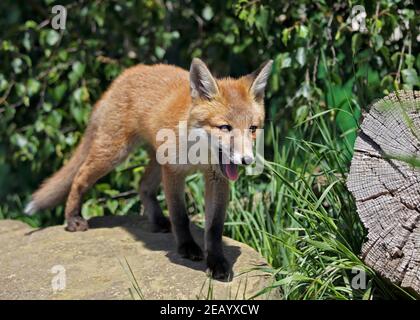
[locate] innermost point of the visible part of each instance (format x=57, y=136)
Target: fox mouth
x=230, y=169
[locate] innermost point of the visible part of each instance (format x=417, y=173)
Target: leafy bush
x=324, y=75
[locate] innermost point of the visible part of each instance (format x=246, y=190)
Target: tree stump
x=385, y=181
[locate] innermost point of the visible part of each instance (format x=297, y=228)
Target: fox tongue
x=231, y=171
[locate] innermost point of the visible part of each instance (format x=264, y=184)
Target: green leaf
x=78, y=69
x=81, y=94
x=261, y=20
x=52, y=37
x=409, y=60
x=26, y=41
x=47, y=107
x=207, y=13
x=303, y=31
x=3, y=83
x=356, y=42
x=301, y=113
x=59, y=91
x=33, y=86
x=17, y=65
x=284, y=60
x=159, y=52
x=301, y=56
x=410, y=77
x=378, y=41
x=30, y=24
x=285, y=36
x=112, y=205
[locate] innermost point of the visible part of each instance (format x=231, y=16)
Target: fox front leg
x=174, y=185
x=217, y=198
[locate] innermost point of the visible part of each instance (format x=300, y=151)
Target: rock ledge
x=106, y=262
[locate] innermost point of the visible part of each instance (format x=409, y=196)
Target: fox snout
x=241, y=159
x=246, y=160
x=241, y=148
x=238, y=160
x=233, y=151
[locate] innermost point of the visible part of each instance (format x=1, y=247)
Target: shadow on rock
x=139, y=227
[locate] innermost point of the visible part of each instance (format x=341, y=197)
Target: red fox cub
x=142, y=101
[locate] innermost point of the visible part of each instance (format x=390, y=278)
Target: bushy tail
x=55, y=189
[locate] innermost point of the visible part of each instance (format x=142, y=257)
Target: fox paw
x=162, y=224
x=218, y=267
x=190, y=250
x=77, y=224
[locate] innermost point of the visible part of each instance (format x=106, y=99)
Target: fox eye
x=253, y=128
x=225, y=127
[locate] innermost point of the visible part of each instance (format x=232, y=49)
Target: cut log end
x=385, y=181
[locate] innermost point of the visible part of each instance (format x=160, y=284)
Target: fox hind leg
x=101, y=159
x=149, y=186
x=87, y=175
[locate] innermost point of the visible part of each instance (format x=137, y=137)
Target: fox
x=142, y=100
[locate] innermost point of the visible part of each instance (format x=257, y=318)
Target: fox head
x=229, y=111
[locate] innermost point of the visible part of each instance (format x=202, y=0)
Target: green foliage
x=324, y=74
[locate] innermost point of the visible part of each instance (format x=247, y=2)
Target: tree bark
x=385, y=181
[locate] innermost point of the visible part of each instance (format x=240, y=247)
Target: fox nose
x=247, y=160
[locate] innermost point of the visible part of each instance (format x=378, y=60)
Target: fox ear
x=259, y=79
x=202, y=83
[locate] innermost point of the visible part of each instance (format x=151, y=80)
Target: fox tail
x=55, y=189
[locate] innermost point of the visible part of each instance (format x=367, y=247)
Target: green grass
x=135, y=291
